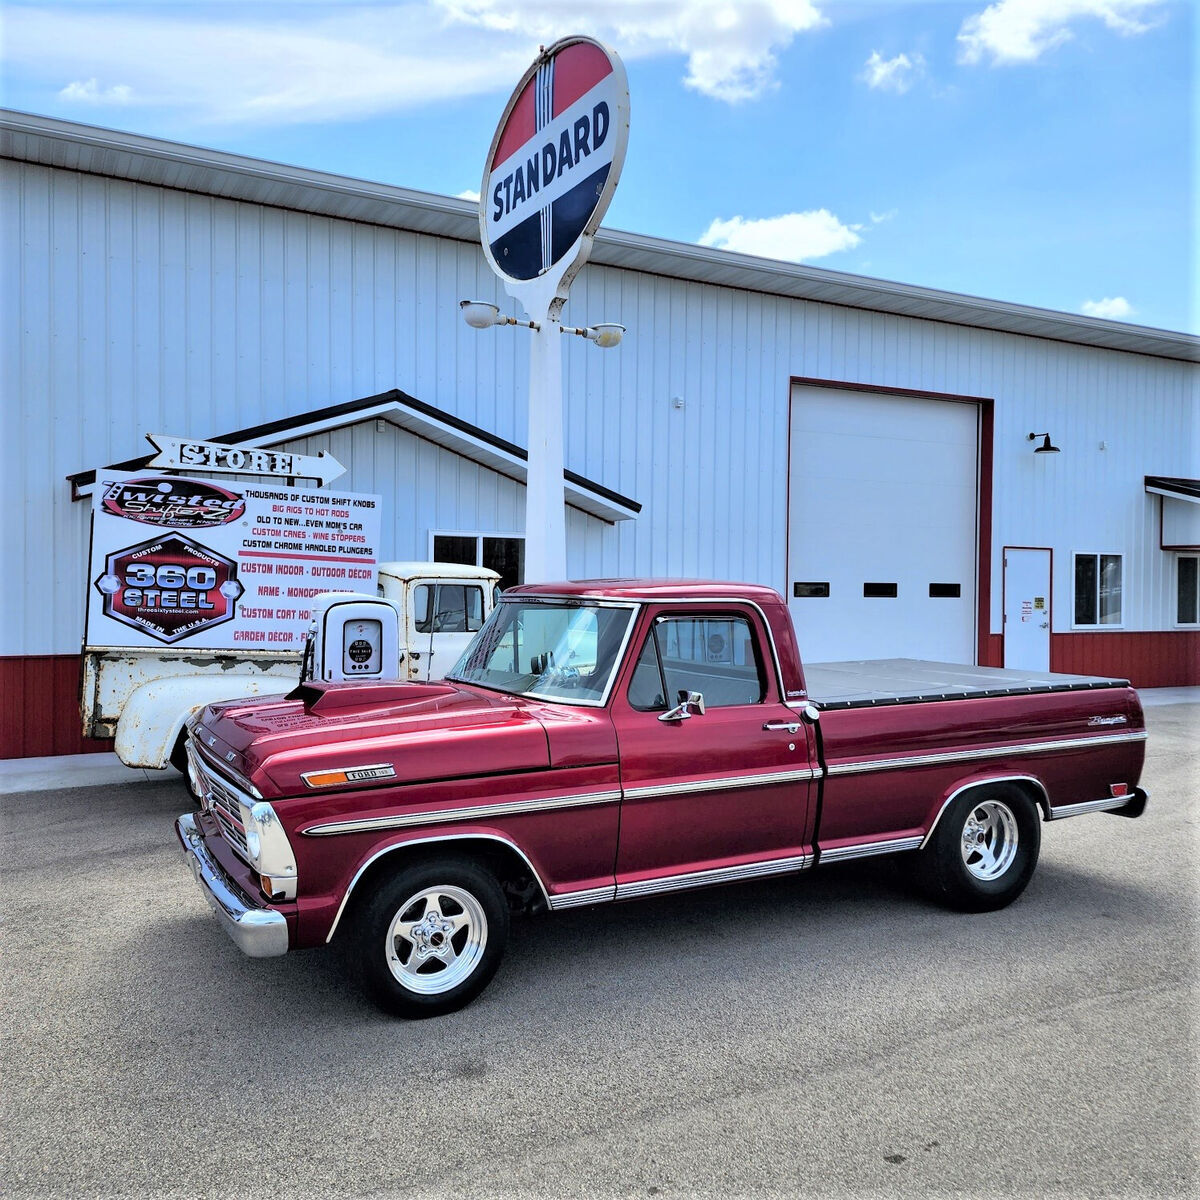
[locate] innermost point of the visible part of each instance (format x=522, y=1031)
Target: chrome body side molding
x=951, y=756
x=474, y=812
x=449, y=837
x=866, y=849
x=693, y=879
x=761, y=779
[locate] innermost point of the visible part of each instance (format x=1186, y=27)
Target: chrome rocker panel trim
x=256, y=931
x=693, y=879
x=1135, y=801
x=867, y=849
x=475, y=812
x=600, y=895
x=951, y=756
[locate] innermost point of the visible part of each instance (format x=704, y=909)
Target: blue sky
x=1040, y=151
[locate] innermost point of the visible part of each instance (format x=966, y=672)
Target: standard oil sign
x=555, y=159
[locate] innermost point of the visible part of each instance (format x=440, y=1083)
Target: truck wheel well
x=1028, y=786
x=517, y=878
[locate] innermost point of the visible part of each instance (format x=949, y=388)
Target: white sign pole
x=545, y=516
x=549, y=176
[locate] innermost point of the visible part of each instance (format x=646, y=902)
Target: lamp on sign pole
x=551, y=171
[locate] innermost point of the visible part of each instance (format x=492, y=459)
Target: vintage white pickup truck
x=142, y=698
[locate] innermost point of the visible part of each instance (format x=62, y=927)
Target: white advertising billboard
x=199, y=564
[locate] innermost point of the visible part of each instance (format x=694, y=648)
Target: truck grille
x=223, y=800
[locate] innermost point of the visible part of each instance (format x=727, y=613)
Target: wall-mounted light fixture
x=1045, y=447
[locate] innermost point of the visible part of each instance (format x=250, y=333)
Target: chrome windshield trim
x=1089, y=806
x=600, y=895
x=927, y=760
x=724, y=782
x=449, y=837
x=471, y=813
x=578, y=602
x=674, y=883
x=866, y=849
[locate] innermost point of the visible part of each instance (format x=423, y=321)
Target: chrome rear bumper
x=257, y=931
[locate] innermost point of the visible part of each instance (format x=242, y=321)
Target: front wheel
x=431, y=938
x=984, y=850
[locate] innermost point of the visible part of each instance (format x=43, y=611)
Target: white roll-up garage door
x=883, y=522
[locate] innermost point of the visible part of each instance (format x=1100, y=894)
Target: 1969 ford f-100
x=608, y=740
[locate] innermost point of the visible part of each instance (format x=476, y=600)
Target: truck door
x=446, y=616
x=724, y=790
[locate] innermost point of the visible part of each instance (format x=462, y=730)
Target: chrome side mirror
x=683, y=710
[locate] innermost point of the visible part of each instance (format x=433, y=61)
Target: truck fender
x=470, y=835
x=1035, y=787
x=153, y=716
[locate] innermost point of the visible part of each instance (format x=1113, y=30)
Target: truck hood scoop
x=323, y=698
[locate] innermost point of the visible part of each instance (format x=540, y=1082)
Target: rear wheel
x=431, y=937
x=984, y=850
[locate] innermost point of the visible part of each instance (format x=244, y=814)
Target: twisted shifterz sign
x=221, y=566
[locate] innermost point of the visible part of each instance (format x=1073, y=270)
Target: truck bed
x=885, y=681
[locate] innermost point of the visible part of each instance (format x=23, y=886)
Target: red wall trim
x=1166, y=658
x=40, y=710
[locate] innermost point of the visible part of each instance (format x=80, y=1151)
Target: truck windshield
x=551, y=650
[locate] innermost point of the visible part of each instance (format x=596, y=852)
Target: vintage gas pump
x=352, y=636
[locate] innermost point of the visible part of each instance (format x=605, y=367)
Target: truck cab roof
x=435, y=570
x=652, y=590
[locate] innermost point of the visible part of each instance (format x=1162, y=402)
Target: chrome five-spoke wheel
x=428, y=937
x=989, y=839
x=436, y=939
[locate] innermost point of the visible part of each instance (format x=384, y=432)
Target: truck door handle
x=788, y=725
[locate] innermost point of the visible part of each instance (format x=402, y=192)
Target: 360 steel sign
x=555, y=159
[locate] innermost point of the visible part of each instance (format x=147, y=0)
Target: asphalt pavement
x=827, y=1035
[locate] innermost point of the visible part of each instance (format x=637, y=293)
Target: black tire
x=178, y=757
x=461, y=937
x=983, y=851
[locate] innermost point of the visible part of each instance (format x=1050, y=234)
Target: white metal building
x=861, y=446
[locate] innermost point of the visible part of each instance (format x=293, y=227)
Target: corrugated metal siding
x=130, y=308
x=40, y=711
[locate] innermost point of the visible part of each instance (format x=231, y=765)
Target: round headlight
x=253, y=843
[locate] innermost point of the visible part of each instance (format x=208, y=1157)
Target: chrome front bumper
x=258, y=932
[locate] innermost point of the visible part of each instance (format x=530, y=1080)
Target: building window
x=1187, y=594
x=503, y=553
x=1097, y=589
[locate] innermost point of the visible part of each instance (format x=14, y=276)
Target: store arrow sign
x=181, y=454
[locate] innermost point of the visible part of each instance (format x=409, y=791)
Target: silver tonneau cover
x=911, y=681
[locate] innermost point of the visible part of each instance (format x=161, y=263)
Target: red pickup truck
x=607, y=740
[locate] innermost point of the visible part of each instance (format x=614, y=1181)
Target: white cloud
x=1014, y=31
x=892, y=74
x=89, y=91
x=213, y=62
x=730, y=47
x=1113, y=308
x=469, y=194
x=794, y=237
x=879, y=218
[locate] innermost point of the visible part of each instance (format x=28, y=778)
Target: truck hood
x=424, y=731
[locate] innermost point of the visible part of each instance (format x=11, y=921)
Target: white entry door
x=1027, y=609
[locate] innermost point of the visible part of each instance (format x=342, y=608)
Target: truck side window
x=717, y=656
x=447, y=608
x=422, y=607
